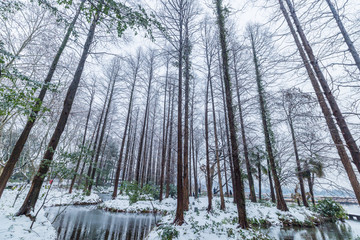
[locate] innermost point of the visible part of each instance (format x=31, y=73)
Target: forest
x=179, y=119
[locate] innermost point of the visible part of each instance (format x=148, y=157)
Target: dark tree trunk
x=222, y=200
x=97, y=155
x=242, y=126
x=239, y=184
x=117, y=173
x=298, y=164
x=165, y=135
x=259, y=173
x=142, y=137
x=131, y=165
x=168, y=169
x=187, y=51
x=33, y=194
x=208, y=171
x=20, y=143
x=82, y=143
x=280, y=203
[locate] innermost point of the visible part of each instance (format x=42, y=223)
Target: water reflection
x=330, y=231
x=80, y=222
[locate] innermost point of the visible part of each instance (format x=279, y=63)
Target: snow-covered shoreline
x=12, y=227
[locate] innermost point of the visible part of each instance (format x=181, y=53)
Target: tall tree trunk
x=20, y=143
x=165, y=135
x=259, y=173
x=324, y=108
x=222, y=200
x=82, y=143
x=33, y=194
x=350, y=142
x=298, y=164
x=280, y=203
x=138, y=165
x=95, y=168
x=228, y=142
x=239, y=184
x=179, y=215
x=131, y=165
x=242, y=126
x=126, y=158
x=187, y=51
x=168, y=169
x=208, y=171
x=345, y=34
x=117, y=174
x=94, y=152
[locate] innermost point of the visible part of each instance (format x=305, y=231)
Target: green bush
x=330, y=209
x=168, y=232
x=138, y=193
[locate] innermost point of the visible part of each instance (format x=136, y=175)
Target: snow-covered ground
x=216, y=225
x=12, y=227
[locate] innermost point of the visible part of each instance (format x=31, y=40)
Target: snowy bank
x=12, y=227
x=199, y=224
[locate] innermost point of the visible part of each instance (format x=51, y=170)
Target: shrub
x=137, y=193
x=168, y=232
x=330, y=209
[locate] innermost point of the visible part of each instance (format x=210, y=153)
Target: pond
x=331, y=231
x=88, y=222
x=340, y=231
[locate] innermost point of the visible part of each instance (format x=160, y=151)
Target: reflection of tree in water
x=85, y=223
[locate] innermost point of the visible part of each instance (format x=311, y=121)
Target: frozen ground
x=12, y=227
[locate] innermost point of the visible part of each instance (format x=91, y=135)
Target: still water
x=88, y=222
x=348, y=230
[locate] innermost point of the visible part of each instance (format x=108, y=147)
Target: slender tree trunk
x=168, y=170
x=239, y=184
x=222, y=200
x=298, y=164
x=350, y=142
x=242, y=126
x=94, y=152
x=165, y=135
x=95, y=169
x=131, y=165
x=280, y=203
x=187, y=51
x=137, y=171
x=33, y=194
x=208, y=171
x=118, y=168
x=126, y=158
x=228, y=142
x=20, y=143
x=325, y=109
x=345, y=34
x=259, y=173
x=82, y=144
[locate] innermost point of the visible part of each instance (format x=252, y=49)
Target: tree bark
x=280, y=203
x=239, y=184
x=222, y=200
x=118, y=168
x=242, y=126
